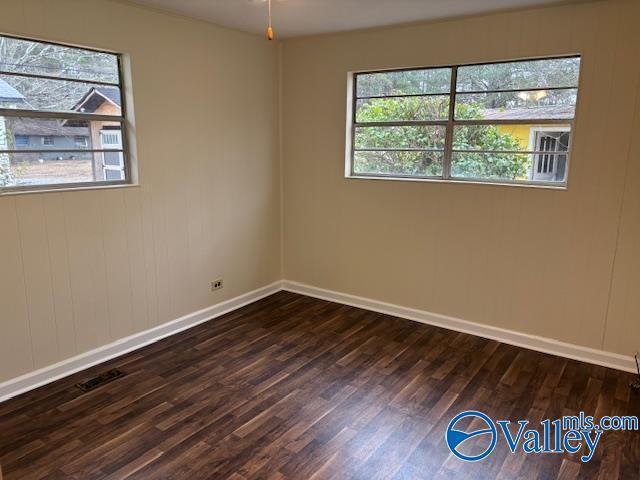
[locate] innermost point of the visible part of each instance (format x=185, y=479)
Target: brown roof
x=554, y=112
x=96, y=97
x=32, y=126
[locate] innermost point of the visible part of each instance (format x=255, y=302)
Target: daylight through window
x=507, y=122
x=61, y=117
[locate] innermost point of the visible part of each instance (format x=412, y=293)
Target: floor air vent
x=100, y=380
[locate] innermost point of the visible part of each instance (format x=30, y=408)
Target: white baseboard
x=48, y=374
x=532, y=342
x=51, y=373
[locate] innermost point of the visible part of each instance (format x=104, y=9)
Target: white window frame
x=533, y=135
x=81, y=141
x=450, y=123
x=125, y=119
x=112, y=168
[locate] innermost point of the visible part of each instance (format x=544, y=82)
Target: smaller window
x=22, y=140
x=57, y=100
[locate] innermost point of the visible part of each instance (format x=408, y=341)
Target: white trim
x=62, y=369
x=51, y=373
x=533, y=141
x=524, y=340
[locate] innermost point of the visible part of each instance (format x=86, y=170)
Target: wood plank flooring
x=292, y=387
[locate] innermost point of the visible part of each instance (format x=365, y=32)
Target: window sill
x=561, y=187
x=81, y=188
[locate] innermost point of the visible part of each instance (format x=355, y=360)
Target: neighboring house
x=36, y=136
x=105, y=135
x=39, y=134
x=550, y=166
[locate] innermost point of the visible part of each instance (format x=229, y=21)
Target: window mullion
x=448, y=144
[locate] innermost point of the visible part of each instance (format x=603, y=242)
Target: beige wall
x=81, y=269
x=560, y=264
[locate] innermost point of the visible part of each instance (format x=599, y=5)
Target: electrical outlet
x=217, y=284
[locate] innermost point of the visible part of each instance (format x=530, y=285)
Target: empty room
x=319, y=239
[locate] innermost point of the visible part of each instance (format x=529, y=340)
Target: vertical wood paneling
x=137, y=259
x=60, y=276
x=623, y=326
x=83, y=221
x=82, y=269
x=16, y=349
x=38, y=279
x=150, y=266
x=532, y=260
x=602, y=180
x=117, y=263
x=159, y=233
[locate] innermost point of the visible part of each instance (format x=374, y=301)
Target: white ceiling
x=293, y=18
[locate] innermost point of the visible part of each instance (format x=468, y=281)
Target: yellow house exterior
x=521, y=132
x=551, y=140
x=524, y=133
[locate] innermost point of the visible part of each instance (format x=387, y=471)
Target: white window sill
x=52, y=189
x=461, y=182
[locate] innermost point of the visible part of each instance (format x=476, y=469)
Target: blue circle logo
x=456, y=438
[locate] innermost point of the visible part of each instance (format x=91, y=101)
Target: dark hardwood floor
x=292, y=387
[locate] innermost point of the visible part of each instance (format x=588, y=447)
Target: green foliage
x=471, y=165
x=405, y=82
x=560, y=72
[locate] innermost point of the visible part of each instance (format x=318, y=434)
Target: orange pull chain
x=269, y=29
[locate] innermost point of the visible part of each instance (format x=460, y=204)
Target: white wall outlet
x=217, y=284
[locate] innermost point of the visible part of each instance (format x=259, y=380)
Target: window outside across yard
x=507, y=122
x=61, y=117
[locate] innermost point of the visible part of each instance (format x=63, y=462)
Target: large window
x=507, y=122
x=62, y=117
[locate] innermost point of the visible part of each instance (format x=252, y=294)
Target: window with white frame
x=508, y=122
x=62, y=98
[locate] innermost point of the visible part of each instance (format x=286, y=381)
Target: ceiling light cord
x=269, y=28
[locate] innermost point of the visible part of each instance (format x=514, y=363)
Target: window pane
x=510, y=167
x=58, y=96
x=412, y=137
x=423, y=164
x=55, y=168
x=25, y=56
x=45, y=168
x=409, y=82
x=112, y=159
x=530, y=105
x=111, y=175
x=517, y=138
x=530, y=74
x=20, y=133
x=502, y=166
x=402, y=109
